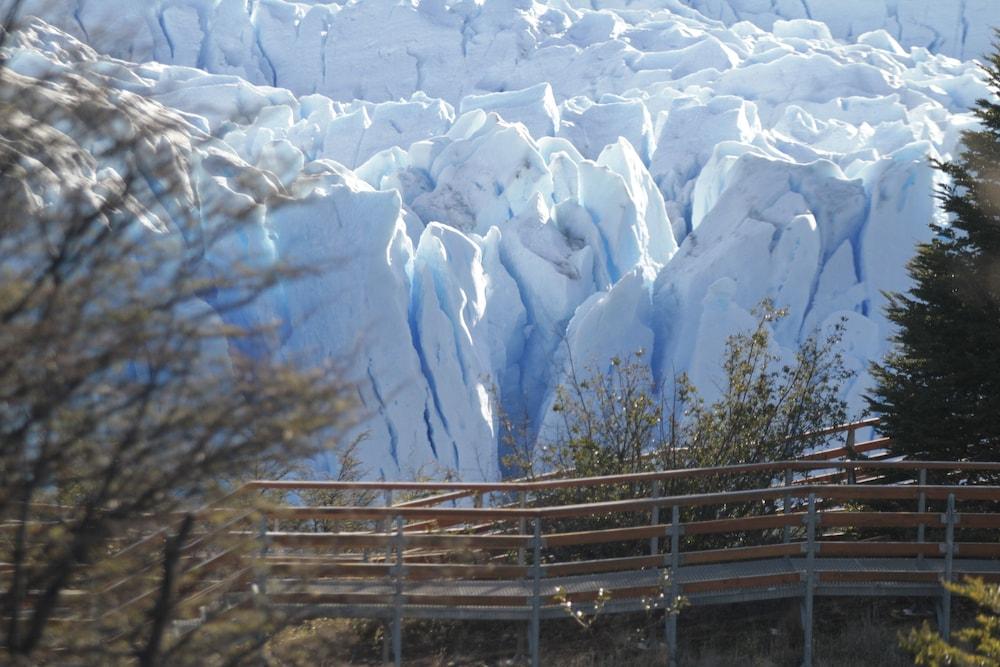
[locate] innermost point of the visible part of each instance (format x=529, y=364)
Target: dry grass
x=848, y=633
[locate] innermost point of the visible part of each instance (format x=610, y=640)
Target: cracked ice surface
x=505, y=183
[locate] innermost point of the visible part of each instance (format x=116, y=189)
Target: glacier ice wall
x=503, y=185
x=960, y=29
x=384, y=50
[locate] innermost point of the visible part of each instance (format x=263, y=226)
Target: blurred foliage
x=133, y=390
x=975, y=646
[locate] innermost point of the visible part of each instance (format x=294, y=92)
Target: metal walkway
x=646, y=579
x=450, y=550
x=794, y=549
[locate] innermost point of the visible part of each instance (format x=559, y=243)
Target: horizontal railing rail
x=796, y=465
x=828, y=492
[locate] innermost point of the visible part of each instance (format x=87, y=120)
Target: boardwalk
x=821, y=525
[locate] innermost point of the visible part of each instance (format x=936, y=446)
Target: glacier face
x=503, y=184
x=960, y=29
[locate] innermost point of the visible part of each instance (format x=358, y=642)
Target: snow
x=504, y=187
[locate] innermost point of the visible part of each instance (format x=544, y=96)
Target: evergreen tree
x=939, y=390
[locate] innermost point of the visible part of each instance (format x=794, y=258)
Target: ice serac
x=484, y=177
x=595, y=337
x=362, y=235
x=688, y=133
x=554, y=278
x=651, y=212
x=591, y=126
x=501, y=187
x=770, y=233
x=534, y=107
x=449, y=302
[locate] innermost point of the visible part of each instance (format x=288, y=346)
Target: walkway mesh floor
x=641, y=578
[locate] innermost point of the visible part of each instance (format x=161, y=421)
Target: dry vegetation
x=849, y=633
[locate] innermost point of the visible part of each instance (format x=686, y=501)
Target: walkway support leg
x=921, y=505
x=944, y=612
x=654, y=542
x=397, y=598
x=386, y=527
x=809, y=585
x=265, y=544
x=536, y=595
x=787, y=503
x=670, y=619
x=522, y=559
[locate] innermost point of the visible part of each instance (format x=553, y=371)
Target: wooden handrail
x=567, y=474
x=861, y=447
x=831, y=492
x=740, y=553
x=541, y=482
x=355, y=540
x=851, y=426
x=665, y=475
x=599, y=536
x=161, y=534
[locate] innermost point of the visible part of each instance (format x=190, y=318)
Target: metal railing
x=760, y=559
x=830, y=523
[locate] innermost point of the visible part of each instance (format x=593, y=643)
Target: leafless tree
x=132, y=391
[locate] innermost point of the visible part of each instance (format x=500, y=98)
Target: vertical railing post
x=788, y=504
x=810, y=584
x=260, y=600
x=522, y=526
x=944, y=613
x=654, y=542
x=262, y=565
x=921, y=507
x=852, y=455
x=386, y=527
x=397, y=597
x=522, y=530
x=536, y=594
x=670, y=616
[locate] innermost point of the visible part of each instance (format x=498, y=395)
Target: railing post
x=670, y=617
x=788, y=504
x=536, y=594
x=386, y=527
x=260, y=585
x=810, y=584
x=852, y=455
x=522, y=526
x=921, y=506
x=262, y=566
x=522, y=529
x=654, y=542
x=944, y=613
x=397, y=598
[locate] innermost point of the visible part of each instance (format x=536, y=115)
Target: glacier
x=502, y=186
